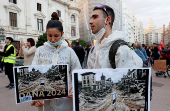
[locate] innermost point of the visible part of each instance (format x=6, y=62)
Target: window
x=72, y=18
x=59, y=13
x=38, y=7
x=73, y=31
x=84, y=81
x=13, y=19
x=13, y=1
x=40, y=24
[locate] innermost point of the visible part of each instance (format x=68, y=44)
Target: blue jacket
x=139, y=53
x=144, y=53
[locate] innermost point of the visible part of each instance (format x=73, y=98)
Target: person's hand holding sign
x=70, y=93
x=39, y=103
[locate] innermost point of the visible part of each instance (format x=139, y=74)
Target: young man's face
x=97, y=20
x=7, y=40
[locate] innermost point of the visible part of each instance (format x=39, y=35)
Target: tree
x=82, y=42
x=41, y=39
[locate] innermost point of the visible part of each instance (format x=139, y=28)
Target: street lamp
x=2, y=36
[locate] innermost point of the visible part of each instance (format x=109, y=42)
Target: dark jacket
x=155, y=53
x=148, y=53
x=80, y=52
x=87, y=49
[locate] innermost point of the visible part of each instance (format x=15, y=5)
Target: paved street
x=160, y=100
x=7, y=96
x=161, y=91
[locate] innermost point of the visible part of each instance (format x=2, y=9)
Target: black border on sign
x=16, y=85
x=146, y=90
x=76, y=91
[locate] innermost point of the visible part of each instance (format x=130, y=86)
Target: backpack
x=113, y=51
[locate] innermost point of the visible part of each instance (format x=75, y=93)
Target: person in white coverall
x=101, y=22
x=56, y=51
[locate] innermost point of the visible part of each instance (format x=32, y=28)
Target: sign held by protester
x=40, y=82
x=110, y=89
x=159, y=65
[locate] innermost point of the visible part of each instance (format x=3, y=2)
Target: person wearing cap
x=101, y=22
x=9, y=58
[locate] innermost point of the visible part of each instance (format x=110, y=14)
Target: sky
x=115, y=74
x=158, y=10
x=41, y=68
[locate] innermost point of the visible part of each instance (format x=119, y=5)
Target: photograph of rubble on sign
x=40, y=82
x=111, y=90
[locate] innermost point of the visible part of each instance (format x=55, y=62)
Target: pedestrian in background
x=145, y=54
x=28, y=51
x=149, y=54
x=9, y=58
x=155, y=52
x=79, y=50
x=87, y=50
x=138, y=51
x=1, y=63
x=133, y=46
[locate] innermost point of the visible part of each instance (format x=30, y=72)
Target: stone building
x=89, y=82
x=166, y=34
x=22, y=19
x=153, y=34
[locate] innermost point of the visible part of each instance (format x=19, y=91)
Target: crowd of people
x=108, y=52
x=9, y=54
x=151, y=53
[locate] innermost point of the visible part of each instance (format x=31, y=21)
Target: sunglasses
x=103, y=8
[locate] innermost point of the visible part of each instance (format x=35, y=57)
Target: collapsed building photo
x=97, y=94
x=32, y=80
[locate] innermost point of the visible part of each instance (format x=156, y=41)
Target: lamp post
x=2, y=36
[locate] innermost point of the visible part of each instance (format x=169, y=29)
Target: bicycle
x=164, y=73
x=168, y=71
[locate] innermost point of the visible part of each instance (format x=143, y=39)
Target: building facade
x=141, y=34
x=153, y=34
x=133, y=30
x=127, y=24
x=89, y=80
x=87, y=6
x=22, y=19
x=166, y=34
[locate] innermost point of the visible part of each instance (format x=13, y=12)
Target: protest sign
x=160, y=65
x=40, y=82
x=111, y=89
